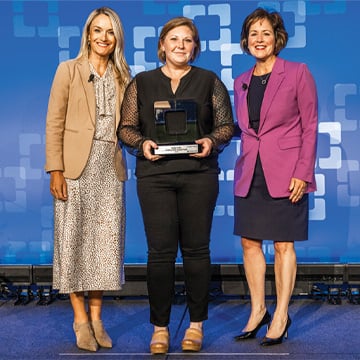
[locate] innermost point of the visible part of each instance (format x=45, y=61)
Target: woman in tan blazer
x=87, y=173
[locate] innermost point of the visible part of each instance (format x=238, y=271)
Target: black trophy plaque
x=176, y=127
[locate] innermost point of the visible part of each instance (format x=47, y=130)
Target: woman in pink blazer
x=276, y=108
x=87, y=174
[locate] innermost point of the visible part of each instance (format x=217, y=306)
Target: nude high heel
x=84, y=337
x=101, y=336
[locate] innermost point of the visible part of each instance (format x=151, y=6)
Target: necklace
x=264, y=80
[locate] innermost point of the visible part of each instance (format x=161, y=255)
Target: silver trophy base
x=177, y=149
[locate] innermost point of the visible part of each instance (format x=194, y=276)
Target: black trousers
x=177, y=211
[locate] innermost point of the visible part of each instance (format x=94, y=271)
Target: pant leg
x=157, y=198
x=196, y=203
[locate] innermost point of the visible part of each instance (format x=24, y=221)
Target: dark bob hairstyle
x=277, y=23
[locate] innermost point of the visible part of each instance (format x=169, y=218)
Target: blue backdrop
x=37, y=35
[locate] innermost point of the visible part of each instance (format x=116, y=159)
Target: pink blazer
x=287, y=136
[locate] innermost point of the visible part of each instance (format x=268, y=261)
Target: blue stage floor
x=319, y=331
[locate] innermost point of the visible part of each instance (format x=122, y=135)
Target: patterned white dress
x=89, y=227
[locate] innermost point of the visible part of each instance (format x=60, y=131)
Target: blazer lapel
x=118, y=99
x=275, y=80
x=84, y=70
x=245, y=105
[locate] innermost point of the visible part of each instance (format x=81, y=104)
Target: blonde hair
x=117, y=56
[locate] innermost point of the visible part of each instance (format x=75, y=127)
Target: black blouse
x=255, y=97
x=214, y=117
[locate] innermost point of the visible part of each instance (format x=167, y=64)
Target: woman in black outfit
x=178, y=193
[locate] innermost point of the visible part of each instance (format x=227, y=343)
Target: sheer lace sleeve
x=129, y=128
x=223, y=117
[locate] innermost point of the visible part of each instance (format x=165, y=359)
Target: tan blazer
x=70, y=121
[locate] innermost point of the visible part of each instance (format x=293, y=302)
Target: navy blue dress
x=258, y=215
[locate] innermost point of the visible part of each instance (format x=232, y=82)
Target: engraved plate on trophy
x=176, y=127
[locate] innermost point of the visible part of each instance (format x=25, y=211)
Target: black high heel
x=252, y=334
x=269, y=342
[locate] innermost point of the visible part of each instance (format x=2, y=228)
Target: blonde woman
x=87, y=174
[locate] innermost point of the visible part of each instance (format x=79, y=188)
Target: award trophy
x=176, y=127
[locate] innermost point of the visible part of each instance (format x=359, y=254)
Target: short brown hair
x=176, y=22
x=277, y=23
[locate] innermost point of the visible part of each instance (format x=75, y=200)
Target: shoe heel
x=85, y=339
x=101, y=336
x=160, y=342
x=244, y=335
x=192, y=340
x=269, y=341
